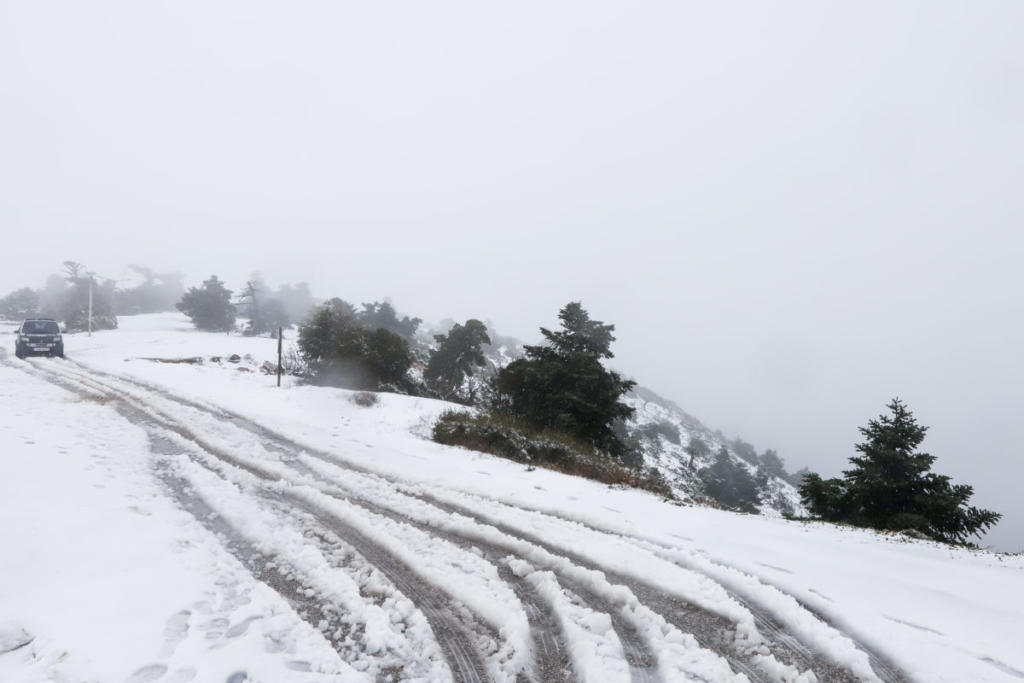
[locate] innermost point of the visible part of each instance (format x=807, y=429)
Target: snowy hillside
x=666, y=451
x=663, y=431
x=193, y=522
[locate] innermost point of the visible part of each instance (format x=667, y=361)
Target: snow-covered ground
x=422, y=551
x=109, y=579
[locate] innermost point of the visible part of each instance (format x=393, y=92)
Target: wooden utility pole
x=90, y=305
x=280, y=336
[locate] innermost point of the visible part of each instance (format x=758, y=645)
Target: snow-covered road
x=260, y=556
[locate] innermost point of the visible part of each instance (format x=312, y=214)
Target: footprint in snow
x=235, y=601
x=273, y=645
x=13, y=639
x=182, y=675
x=203, y=607
x=240, y=628
x=150, y=672
x=299, y=665
x=215, y=624
x=175, y=631
x=238, y=677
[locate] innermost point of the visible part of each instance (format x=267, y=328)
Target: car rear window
x=40, y=327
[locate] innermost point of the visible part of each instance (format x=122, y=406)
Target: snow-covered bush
x=506, y=437
x=364, y=399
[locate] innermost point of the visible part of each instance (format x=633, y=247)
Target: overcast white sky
x=791, y=211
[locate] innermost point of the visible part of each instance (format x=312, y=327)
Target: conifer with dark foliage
x=20, y=304
x=563, y=385
x=266, y=313
x=744, y=450
x=730, y=484
x=457, y=356
x=891, y=487
x=772, y=465
x=75, y=306
x=340, y=351
x=209, y=306
x=382, y=315
x=158, y=292
x=697, y=448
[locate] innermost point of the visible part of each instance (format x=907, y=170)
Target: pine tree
x=340, y=352
x=19, y=304
x=772, y=464
x=266, y=314
x=797, y=478
x=889, y=475
x=563, y=385
x=891, y=486
x=383, y=315
x=456, y=357
x=209, y=306
x=74, y=307
x=697, y=448
x=730, y=483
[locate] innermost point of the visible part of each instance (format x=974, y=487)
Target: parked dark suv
x=39, y=336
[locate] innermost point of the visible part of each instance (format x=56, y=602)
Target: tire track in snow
x=463, y=659
x=883, y=667
x=264, y=568
x=642, y=662
x=552, y=663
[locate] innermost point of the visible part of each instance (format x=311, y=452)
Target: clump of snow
x=595, y=648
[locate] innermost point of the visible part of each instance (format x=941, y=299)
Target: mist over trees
x=21, y=303
x=730, y=483
x=772, y=465
x=269, y=309
x=744, y=450
x=65, y=297
x=209, y=306
x=459, y=354
x=298, y=301
x=156, y=293
x=265, y=312
x=83, y=286
x=382, y=315
x=51, y=297
x=890, y=486
x=697, y=448
x=341, y=348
